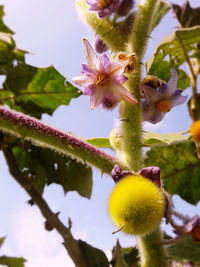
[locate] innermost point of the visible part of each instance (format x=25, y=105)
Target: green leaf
x=2, y=239
x=93, y=256
x=44, y=166
x=176, y=46
x=99, y=142
x=12, y=261
x=3, y=27
x=186, y=16
x=40, y=90
x=155, y=139
x=186, y=249
x=180, y=169
x=161, y=69
x=160, y=11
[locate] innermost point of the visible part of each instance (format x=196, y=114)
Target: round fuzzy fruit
x=137, y=204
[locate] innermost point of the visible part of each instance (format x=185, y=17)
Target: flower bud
x=136, y=205
x=99, y=45
x=125, y=7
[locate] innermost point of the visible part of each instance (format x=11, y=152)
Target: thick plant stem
x=152, y=254
x=43, y=135
x=131, y=125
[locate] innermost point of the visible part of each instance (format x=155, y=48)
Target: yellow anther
x=101, y=79
x=105, y=3
x=163, y=105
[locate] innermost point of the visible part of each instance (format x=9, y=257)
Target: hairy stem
x=70, y=243
x=41, y=134
x=152, y=255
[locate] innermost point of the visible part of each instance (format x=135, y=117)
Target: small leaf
x=99, y=142
x=186, y=249
x=160, y=11
x=180, y=169
x=43, y=166
x=3, y=27
x=177, y=46
x=2, y=239
x=93, y=256
x=186, y=16
x=12, y=261
x=155, y=139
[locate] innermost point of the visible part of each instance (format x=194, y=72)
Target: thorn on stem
x=118, y=230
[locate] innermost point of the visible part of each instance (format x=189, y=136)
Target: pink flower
x=102, y=80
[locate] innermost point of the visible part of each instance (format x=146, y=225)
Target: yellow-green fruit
x=138, y=204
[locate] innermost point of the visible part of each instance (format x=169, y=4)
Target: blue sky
x=52, y=31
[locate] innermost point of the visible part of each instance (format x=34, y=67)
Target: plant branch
x=193, y=76
x=70, y=243
x=41, y=134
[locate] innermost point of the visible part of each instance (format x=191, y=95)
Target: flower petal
x=87, y=70
x=105, y=63
x=89, y=90
x=177, y=99
x=121, y=92
x=171, y=84
x=157, y=116
x=91, y=56
x=83, y=80
x=121, y=79
x=150, y=93
x=96, y=98
x=117, y=68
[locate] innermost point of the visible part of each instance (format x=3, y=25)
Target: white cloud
x=33, y=242
x=82, y=234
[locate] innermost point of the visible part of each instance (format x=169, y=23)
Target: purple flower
x=103, y=7
x=102, y=80
x=157, y=102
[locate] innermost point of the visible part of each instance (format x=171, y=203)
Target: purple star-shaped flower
x=157, y=102
x=103, y=7
x=102, y=80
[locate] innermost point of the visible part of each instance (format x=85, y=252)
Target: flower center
x=101, y=79
x=105, y=3
x=163, y=105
